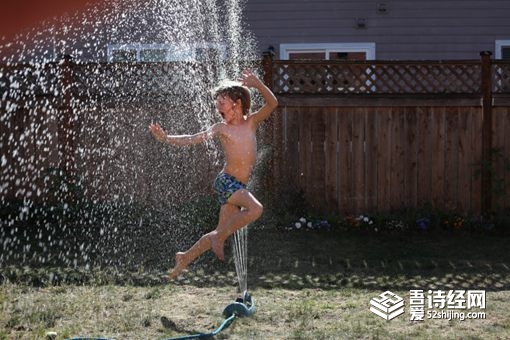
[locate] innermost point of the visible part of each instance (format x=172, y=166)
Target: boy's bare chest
x=240, y=143
x=240, y=135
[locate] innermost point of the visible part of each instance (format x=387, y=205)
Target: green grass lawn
x=307, y=285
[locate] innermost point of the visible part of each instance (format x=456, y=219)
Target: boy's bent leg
x=237, y=219
x=230, y=220
x=252, y=211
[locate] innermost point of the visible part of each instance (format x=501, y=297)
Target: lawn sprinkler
x=243, y=306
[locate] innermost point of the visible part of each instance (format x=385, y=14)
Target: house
x=383, y=30
x=294, y=29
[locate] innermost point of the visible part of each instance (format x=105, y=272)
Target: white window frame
x=185, y=52
x=327, y=48
x=499, y=45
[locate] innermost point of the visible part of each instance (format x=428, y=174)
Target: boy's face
x=225, y=106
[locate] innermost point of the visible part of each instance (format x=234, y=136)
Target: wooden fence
x=350, y=137
x=374, y=136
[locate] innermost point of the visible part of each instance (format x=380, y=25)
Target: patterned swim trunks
x=225, y=185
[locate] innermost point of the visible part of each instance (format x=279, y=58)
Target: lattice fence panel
x=377, y=77
x=501, y=77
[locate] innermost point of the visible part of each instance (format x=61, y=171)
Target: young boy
x=237, y=136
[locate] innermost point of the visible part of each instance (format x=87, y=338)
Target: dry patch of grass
x=159, y=312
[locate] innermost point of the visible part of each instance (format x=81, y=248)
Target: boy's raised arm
x=271, y=103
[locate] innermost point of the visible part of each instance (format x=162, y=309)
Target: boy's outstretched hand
x=249, y=79
x=158, y=132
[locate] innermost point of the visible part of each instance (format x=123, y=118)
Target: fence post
x=267, y=64
x=486, y=176
x=66, y=137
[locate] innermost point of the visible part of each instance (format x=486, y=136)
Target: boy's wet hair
x=235, y=92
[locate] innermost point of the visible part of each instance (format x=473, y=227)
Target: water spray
x=243, y=306
x=82, y=217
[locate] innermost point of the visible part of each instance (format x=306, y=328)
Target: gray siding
x=411, y=29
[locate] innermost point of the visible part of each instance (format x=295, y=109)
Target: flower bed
x=402, y=222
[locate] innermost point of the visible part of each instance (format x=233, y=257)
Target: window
x=333, y=51
x=502, y=52
x=126, y=55
x=153, y=54
x=503, y=49
x=164, y=52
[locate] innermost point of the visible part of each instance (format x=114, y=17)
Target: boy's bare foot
x=217, y=246
x=180, y=265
